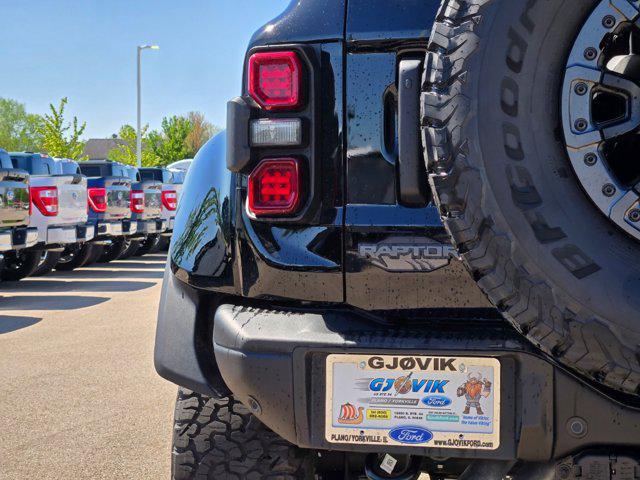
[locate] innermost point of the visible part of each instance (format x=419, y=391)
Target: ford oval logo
x=411, y=435
x=436, y=401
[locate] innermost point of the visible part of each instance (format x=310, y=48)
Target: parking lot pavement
x=79, y=397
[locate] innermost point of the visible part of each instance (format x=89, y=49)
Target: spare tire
x=511, y=192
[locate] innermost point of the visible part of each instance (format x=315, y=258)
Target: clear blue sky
x=85, y=50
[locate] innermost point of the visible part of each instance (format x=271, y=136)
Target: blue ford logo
x=411, y=435
x=436, y=401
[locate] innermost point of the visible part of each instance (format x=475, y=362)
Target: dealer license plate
x=415, y=401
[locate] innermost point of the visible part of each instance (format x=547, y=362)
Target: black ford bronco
x=415, y=250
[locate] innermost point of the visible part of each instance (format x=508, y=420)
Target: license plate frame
x=419, y=401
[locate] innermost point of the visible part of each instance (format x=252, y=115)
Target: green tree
x=201, y=132
x=19, y=130
x=126, y=152
x=61, y=139
x=170, y=145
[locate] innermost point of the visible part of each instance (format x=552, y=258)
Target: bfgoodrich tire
x=557, y=268
x=222, y=440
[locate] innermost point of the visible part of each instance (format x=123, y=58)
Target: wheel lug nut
x=581, y=88
x=634, y=215
x=581, y=124
x=608, y=190
x=590, y=159
x=609, y=21
x=590, y=53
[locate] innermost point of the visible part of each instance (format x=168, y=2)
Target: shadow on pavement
x=48, y=286
x=10, y=323
x=53, y=302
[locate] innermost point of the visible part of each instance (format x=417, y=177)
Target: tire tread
x=220, y=439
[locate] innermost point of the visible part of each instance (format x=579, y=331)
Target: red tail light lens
x=170, y=199
x=97, y=198
x=274, y=187
x=46, y=200
x=137, y=201
x=275, y=79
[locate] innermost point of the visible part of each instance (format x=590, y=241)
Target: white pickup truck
x=58, y=211
x=169, y=206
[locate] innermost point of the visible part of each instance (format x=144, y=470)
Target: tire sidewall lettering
x=524, y=193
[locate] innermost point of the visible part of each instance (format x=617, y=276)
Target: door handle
x=412, y=172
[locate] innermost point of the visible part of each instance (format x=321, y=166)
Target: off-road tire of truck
x=114, y=251
x=68, y=263
x=222, y=440
x=47, y=263
x=563, y=274
x=21, y=265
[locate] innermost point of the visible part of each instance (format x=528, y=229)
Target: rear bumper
x=275, y=361
x=18, y=238
x=152, y=226
x=65, y=235
x=117, y=228
x=169, y=227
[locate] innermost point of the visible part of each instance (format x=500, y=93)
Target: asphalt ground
x=79, y=397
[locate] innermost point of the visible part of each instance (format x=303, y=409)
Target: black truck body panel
x=304, y=21
x=254, y=306
x=402, y=21
x=218, y=248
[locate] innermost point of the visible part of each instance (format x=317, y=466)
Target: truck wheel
x=20, y=265
x=222, y=440
x=163, y=245
x=48, y=260
x=113, y=251
x=526, y=136
x=131, y=250
x=74, y=257
x=149, y=245
x=94, y=254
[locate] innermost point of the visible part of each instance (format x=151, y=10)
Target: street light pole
x=139, y=129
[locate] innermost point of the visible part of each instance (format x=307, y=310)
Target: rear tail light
x=170, y=199
x=275, y=80
x=274, y=187
x=276, y=132
x=137, y=201
x=46, y=200
x=97, y=198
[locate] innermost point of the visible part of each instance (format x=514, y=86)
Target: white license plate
x=413, y=401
